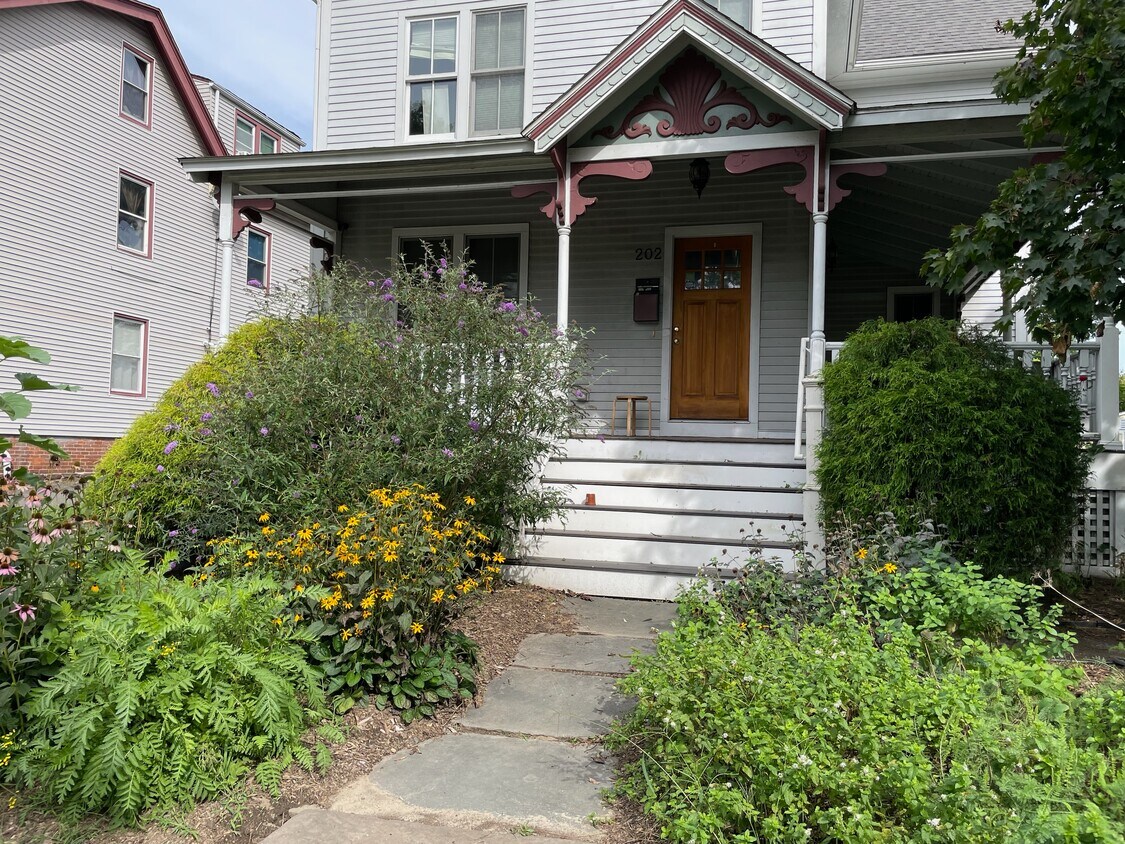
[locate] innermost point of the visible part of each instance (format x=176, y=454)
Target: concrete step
x=677, y=472
x=747, y=499
x=317, y=826
x=716, y=451
x=721, y=526
x=684, y=553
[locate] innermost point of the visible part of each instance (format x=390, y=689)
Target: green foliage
x=872, y=722
x=463, y=392
x=932, y=424
x=1069, y=212
x=378, y=589
x=14, y=404
x=167, y=692
x=137, y=484
x=44, y=546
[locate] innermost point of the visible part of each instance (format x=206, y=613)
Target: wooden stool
x=630, y=414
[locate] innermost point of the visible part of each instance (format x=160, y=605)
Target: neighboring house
x=722, y=191
x=110, y=260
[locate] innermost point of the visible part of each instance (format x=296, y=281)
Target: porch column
x=814, y=389
x=226, y=246
x=1108, y=385
x=816, y=319
x=564, y=278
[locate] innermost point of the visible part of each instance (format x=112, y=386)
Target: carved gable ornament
x=692, y=89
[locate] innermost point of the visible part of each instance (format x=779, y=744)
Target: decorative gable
x=751, y=63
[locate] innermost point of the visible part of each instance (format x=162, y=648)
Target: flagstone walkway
x=527, y=762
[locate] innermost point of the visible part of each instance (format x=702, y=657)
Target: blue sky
x=261, y=50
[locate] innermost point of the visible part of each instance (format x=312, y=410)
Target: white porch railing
x=1078, y=374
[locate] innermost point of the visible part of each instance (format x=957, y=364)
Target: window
x=134, y=212
x=909, y=303
x=129, y=356
x=737, y=10
x=251, y=138
x=136, y=85
x=498, y=253
x=257, y=259
x=498, y=62
x=432, y=75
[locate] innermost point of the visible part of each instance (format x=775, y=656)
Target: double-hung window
x=736, y=10
x=498, y=71
x=136, y=85
x=128, y=356
x=432, y=76
x=498, y=253
x=257, y=259
x=251, y=138
x=134, y=215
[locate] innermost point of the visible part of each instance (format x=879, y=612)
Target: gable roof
x=692, y=22
x=249, y=108
x=173, y=61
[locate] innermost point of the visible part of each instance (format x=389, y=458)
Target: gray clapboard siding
x=630, y=215
x=62, y=277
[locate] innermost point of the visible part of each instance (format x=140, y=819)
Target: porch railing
x=1078, y=374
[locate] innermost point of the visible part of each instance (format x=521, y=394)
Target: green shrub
x=44, y=546
x=167, y=692
x=150, y=489
x=378, y=588
x=930, y=423
x=841, y=730
x=462, y=392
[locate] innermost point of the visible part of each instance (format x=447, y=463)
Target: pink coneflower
x=114, y=547
x=8, y=571
x=36, y=524
x=9, y=556
x=42, y=537
x=26, y=612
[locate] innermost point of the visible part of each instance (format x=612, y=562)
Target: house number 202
x=651, y=254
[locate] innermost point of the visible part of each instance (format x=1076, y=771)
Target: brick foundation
x=84, y=453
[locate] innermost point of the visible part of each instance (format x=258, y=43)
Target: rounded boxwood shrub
x=929, y=422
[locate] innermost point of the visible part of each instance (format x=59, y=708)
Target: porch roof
x=681, y=23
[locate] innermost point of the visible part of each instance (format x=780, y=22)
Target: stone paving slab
x=597, y=654
x=487, y=781
x=317, y=826
x=620, y=617
x=548, y=703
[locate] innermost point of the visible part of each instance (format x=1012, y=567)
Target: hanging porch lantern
x=699, y=174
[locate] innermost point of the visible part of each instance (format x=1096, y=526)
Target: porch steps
x=663, y=508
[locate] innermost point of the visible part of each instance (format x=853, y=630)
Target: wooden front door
x=711, y=328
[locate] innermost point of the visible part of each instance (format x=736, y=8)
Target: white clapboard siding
x=62, y=277
x=365, y=95
x=630, y=215
x=985, y=305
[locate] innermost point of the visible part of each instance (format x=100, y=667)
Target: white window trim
x=144, y=355
x=462, y=125
x=457, y=236
x=914, y=288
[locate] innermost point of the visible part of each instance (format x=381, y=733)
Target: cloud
x=261, y=50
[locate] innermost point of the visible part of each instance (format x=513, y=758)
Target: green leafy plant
x=167, y=692
x=934, y=424
x=378, y=586
x=15, y=404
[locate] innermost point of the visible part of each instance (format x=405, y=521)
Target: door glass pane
x=711, y=280
x=243, y=137
x=713, y=258
x=732, y=258
x=421, y=47
x=445, y=45
x=693, y=260
x=732, y=279
x=268, y=144
x=693, y=280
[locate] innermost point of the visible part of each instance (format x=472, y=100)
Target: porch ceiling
x=895, y=219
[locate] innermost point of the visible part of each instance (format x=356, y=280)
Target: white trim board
x=718, y=428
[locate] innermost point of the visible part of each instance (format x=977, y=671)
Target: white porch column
x=226, y=245
x=814, y=389
x=1108, y=386
x=564, y=278
x=816, y=318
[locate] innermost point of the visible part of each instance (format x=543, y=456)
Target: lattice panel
x=1092, y=541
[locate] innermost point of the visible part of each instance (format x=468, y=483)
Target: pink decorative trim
x=752, y=160
x=647, y=35
x=552, y=206
x=837, y=170
x=690, y=85
x=173, y=61
x=126, y=47
x=240, y=221
x=634, y=169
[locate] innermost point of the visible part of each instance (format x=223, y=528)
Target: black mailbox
x=646, y=300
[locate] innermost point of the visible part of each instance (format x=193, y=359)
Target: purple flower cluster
x=168, y=449
x=213, y=388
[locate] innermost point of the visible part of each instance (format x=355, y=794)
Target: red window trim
x=147, y=122
x=269, y=255
x=144, y=357
x=259, y=130
x=151, y=213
